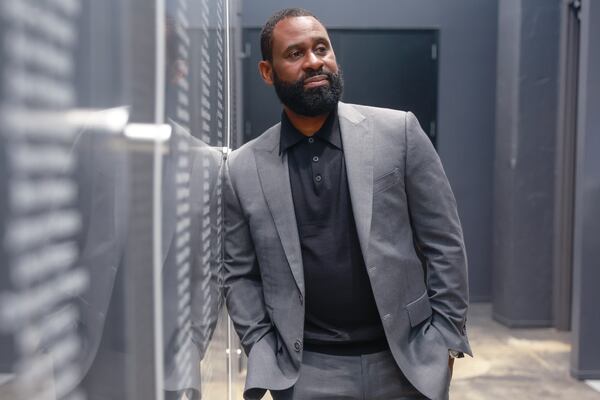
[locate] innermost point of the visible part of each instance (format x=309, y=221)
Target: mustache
x=314, y=73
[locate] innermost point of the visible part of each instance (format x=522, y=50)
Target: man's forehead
x=292, y=29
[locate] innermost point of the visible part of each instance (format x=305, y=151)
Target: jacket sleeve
x=242, y=282
x=438, y=236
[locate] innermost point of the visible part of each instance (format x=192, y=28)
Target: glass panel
x=64, y=185
x=111, y=222
x=196, y=98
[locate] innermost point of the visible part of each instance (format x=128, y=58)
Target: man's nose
x=312, y=61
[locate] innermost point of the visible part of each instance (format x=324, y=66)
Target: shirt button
x=318, y=178
x=316, y=159
x=298, y=345
x=311, y=140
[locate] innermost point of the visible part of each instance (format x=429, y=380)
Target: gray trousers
x=365, y=377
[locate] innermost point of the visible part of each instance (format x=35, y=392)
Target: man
x=345, y=272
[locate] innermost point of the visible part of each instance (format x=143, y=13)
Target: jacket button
x=298, y=345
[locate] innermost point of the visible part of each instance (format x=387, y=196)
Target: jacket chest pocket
x=386, y=180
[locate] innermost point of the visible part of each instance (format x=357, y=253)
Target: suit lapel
x=358, y=154
x=275, y=182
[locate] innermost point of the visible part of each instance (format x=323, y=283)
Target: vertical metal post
x=157, y=202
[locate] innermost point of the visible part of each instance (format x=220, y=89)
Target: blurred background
x=115, y=120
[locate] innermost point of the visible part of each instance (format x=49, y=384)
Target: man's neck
x=308, y=126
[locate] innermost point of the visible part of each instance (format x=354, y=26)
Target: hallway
x=517, y=364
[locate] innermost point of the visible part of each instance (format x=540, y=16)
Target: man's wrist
x=455, y=354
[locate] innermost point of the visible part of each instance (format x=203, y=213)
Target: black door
x=384, y=68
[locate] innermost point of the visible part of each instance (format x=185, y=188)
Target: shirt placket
x=315, y=151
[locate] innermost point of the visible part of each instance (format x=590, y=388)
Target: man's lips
x=315, y=81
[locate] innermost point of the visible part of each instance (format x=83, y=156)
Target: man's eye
x=295, y=54
x=321, y=50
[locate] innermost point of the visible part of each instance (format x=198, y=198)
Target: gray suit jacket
x=409, y=233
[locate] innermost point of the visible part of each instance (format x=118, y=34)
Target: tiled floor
x=515, y=364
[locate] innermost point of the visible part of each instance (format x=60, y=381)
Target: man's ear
x=266, y=71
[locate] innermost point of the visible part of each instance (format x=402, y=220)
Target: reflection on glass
x=191, y=252
x=84, y=208
x=40, y=215
x=191, y=197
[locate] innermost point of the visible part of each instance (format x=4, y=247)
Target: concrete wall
x=527, y=93
x=466, y=102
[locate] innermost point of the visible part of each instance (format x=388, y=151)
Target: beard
x=314, y=101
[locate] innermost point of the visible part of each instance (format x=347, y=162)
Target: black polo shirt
x=341, y=315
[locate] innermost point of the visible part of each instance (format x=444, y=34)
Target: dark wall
x=585, y=356
x=466, y=92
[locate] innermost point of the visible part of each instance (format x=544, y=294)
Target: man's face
x=304, y=71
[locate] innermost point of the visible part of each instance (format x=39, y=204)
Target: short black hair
x=266, y=34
